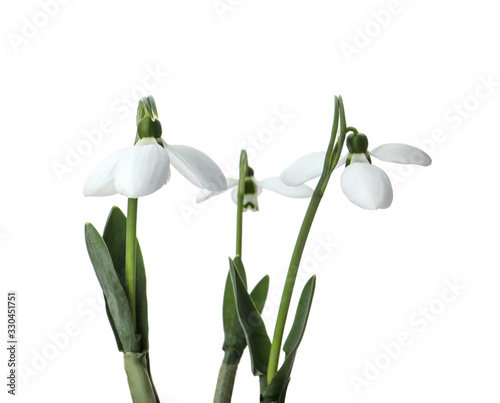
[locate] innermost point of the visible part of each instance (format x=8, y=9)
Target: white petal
x=402, y=154
x=304, y=169
x=231, y=183
x=234, y=195
x=197, y=167
x=276, y=185
x=101, y=181
x=367, y=186
x=143, y=170
x=204, y=194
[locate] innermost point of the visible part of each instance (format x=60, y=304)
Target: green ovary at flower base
x=364, y=184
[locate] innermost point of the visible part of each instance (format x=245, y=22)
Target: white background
x=421, y=63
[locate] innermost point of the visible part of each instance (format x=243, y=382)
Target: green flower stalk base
x=140, y=385
x=225, y=382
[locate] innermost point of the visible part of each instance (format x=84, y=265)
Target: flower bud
x=149, y=128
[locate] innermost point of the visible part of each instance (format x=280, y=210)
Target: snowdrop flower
x=253, y=188
x=364, y=184
x=144, y=168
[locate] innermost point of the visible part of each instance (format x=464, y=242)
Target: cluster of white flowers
x=144, y=168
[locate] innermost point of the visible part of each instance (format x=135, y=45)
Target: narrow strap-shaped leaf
x=252, y=324
x=299, y=324
x=259, y=293
x=141, y=300
x=114, y=236
x=283, y=392
x=234, y=337
x=113, y=290
x=238, y=265
x=277, y=399
x=277, y=388
x=113, y=327
x=148, y=367
x=280, y=395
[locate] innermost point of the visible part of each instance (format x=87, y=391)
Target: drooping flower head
x=144, y=168
x=253, y=188
x=364, y=184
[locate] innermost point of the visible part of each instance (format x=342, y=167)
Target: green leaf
x=141, y=300
x=299, y=324
x=279, y=397
x=277, y=387
x=252, y=324
x=238, y=264
x=114, y=235
x=148, y=367
x=259, y=293
x=113, y=290
x=234, y=337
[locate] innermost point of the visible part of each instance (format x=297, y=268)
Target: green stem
x=229, y=366
x=290, y=282
x=331, y=159
x=239, y=225
x=239, y=199
x=140, y=385
x=130, y=256
x=225, y=380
